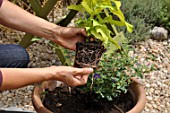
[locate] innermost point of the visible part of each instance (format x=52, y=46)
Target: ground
x=150, y=52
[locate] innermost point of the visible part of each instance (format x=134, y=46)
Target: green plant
x=140, y=32
x=98, y=20
x=164, y=17
x=148, y=10
x=115, y=68
x=114, y=73
x=144, y=14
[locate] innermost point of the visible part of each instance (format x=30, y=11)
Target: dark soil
x=61, y=101
x=88, y=54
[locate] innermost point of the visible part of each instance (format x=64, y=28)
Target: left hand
x=69, y=36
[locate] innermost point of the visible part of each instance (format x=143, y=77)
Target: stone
x=154, y=106
x=147, y=85
x=165, y=43
x=149, y=98
x=149, y=106
x=131, y=53
x=159, y=33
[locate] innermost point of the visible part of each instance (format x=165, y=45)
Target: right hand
x=68, y=36
x=72, y=76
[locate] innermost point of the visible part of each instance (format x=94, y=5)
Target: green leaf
x=111, y=21
x=117, y=3
x=119, y=14
x=96, y=35
x=120, y=38
x=114, y=42
x=35, y=39
x=76, y=7
x=86, y=5
x=95, y=23
x=129, y=27
x=105, y=6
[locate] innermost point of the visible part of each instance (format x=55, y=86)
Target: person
x=14, y=59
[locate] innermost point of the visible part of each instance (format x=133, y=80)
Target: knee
x=14, y=56
x=21, y=58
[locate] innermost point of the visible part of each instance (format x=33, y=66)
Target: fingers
x=79, y=76
x=82, y=78
x=83, y=31
x=83, y=71
x=77, y=81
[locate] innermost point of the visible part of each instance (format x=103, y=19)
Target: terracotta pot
x=136, y=89
x=139, y=95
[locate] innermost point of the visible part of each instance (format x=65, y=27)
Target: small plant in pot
x=98, y=21
x=111, y=88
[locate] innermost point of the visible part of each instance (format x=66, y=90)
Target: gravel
x=157, y=82
x=151, y=53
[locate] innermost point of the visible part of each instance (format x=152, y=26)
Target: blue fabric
x=13, y=56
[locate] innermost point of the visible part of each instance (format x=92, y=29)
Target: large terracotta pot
x=135, y=88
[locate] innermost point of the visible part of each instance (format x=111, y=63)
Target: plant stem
x=61, y=55
x=118, y=109
x=113, y=27
x=91, y=86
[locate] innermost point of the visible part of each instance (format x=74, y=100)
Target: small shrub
x=140, y=32
x=164, y=17
x=145, y=14
x=113, y=76
x=148, y=10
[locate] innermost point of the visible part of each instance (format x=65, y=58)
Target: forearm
x=13, y=78
x=16, y=18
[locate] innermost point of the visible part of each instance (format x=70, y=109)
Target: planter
x=136, y=90
x=88, y=54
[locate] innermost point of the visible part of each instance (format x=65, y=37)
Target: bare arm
x=17, y=18
x=18, y=77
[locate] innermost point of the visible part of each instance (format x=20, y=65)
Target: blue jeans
x=13, y=56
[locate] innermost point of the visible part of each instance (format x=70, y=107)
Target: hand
x=69, y=36
x=72, y=76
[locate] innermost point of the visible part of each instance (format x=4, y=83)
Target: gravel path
x=157, y=82
x=150, y=52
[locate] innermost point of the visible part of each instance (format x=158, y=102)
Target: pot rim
x=136, y=88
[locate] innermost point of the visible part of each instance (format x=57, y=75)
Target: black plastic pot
x=88, y=54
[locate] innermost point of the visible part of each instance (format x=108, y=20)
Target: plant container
x=136, y=90
x=88, y=54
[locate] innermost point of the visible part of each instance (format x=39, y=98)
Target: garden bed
x=150, y=52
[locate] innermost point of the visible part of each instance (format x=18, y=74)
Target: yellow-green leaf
x=85, y=4
x=129, y=27
x=76, y=7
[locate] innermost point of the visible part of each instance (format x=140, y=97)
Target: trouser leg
x=13, y=56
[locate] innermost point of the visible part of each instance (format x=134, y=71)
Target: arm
x=15, y=17
x=13, y=78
